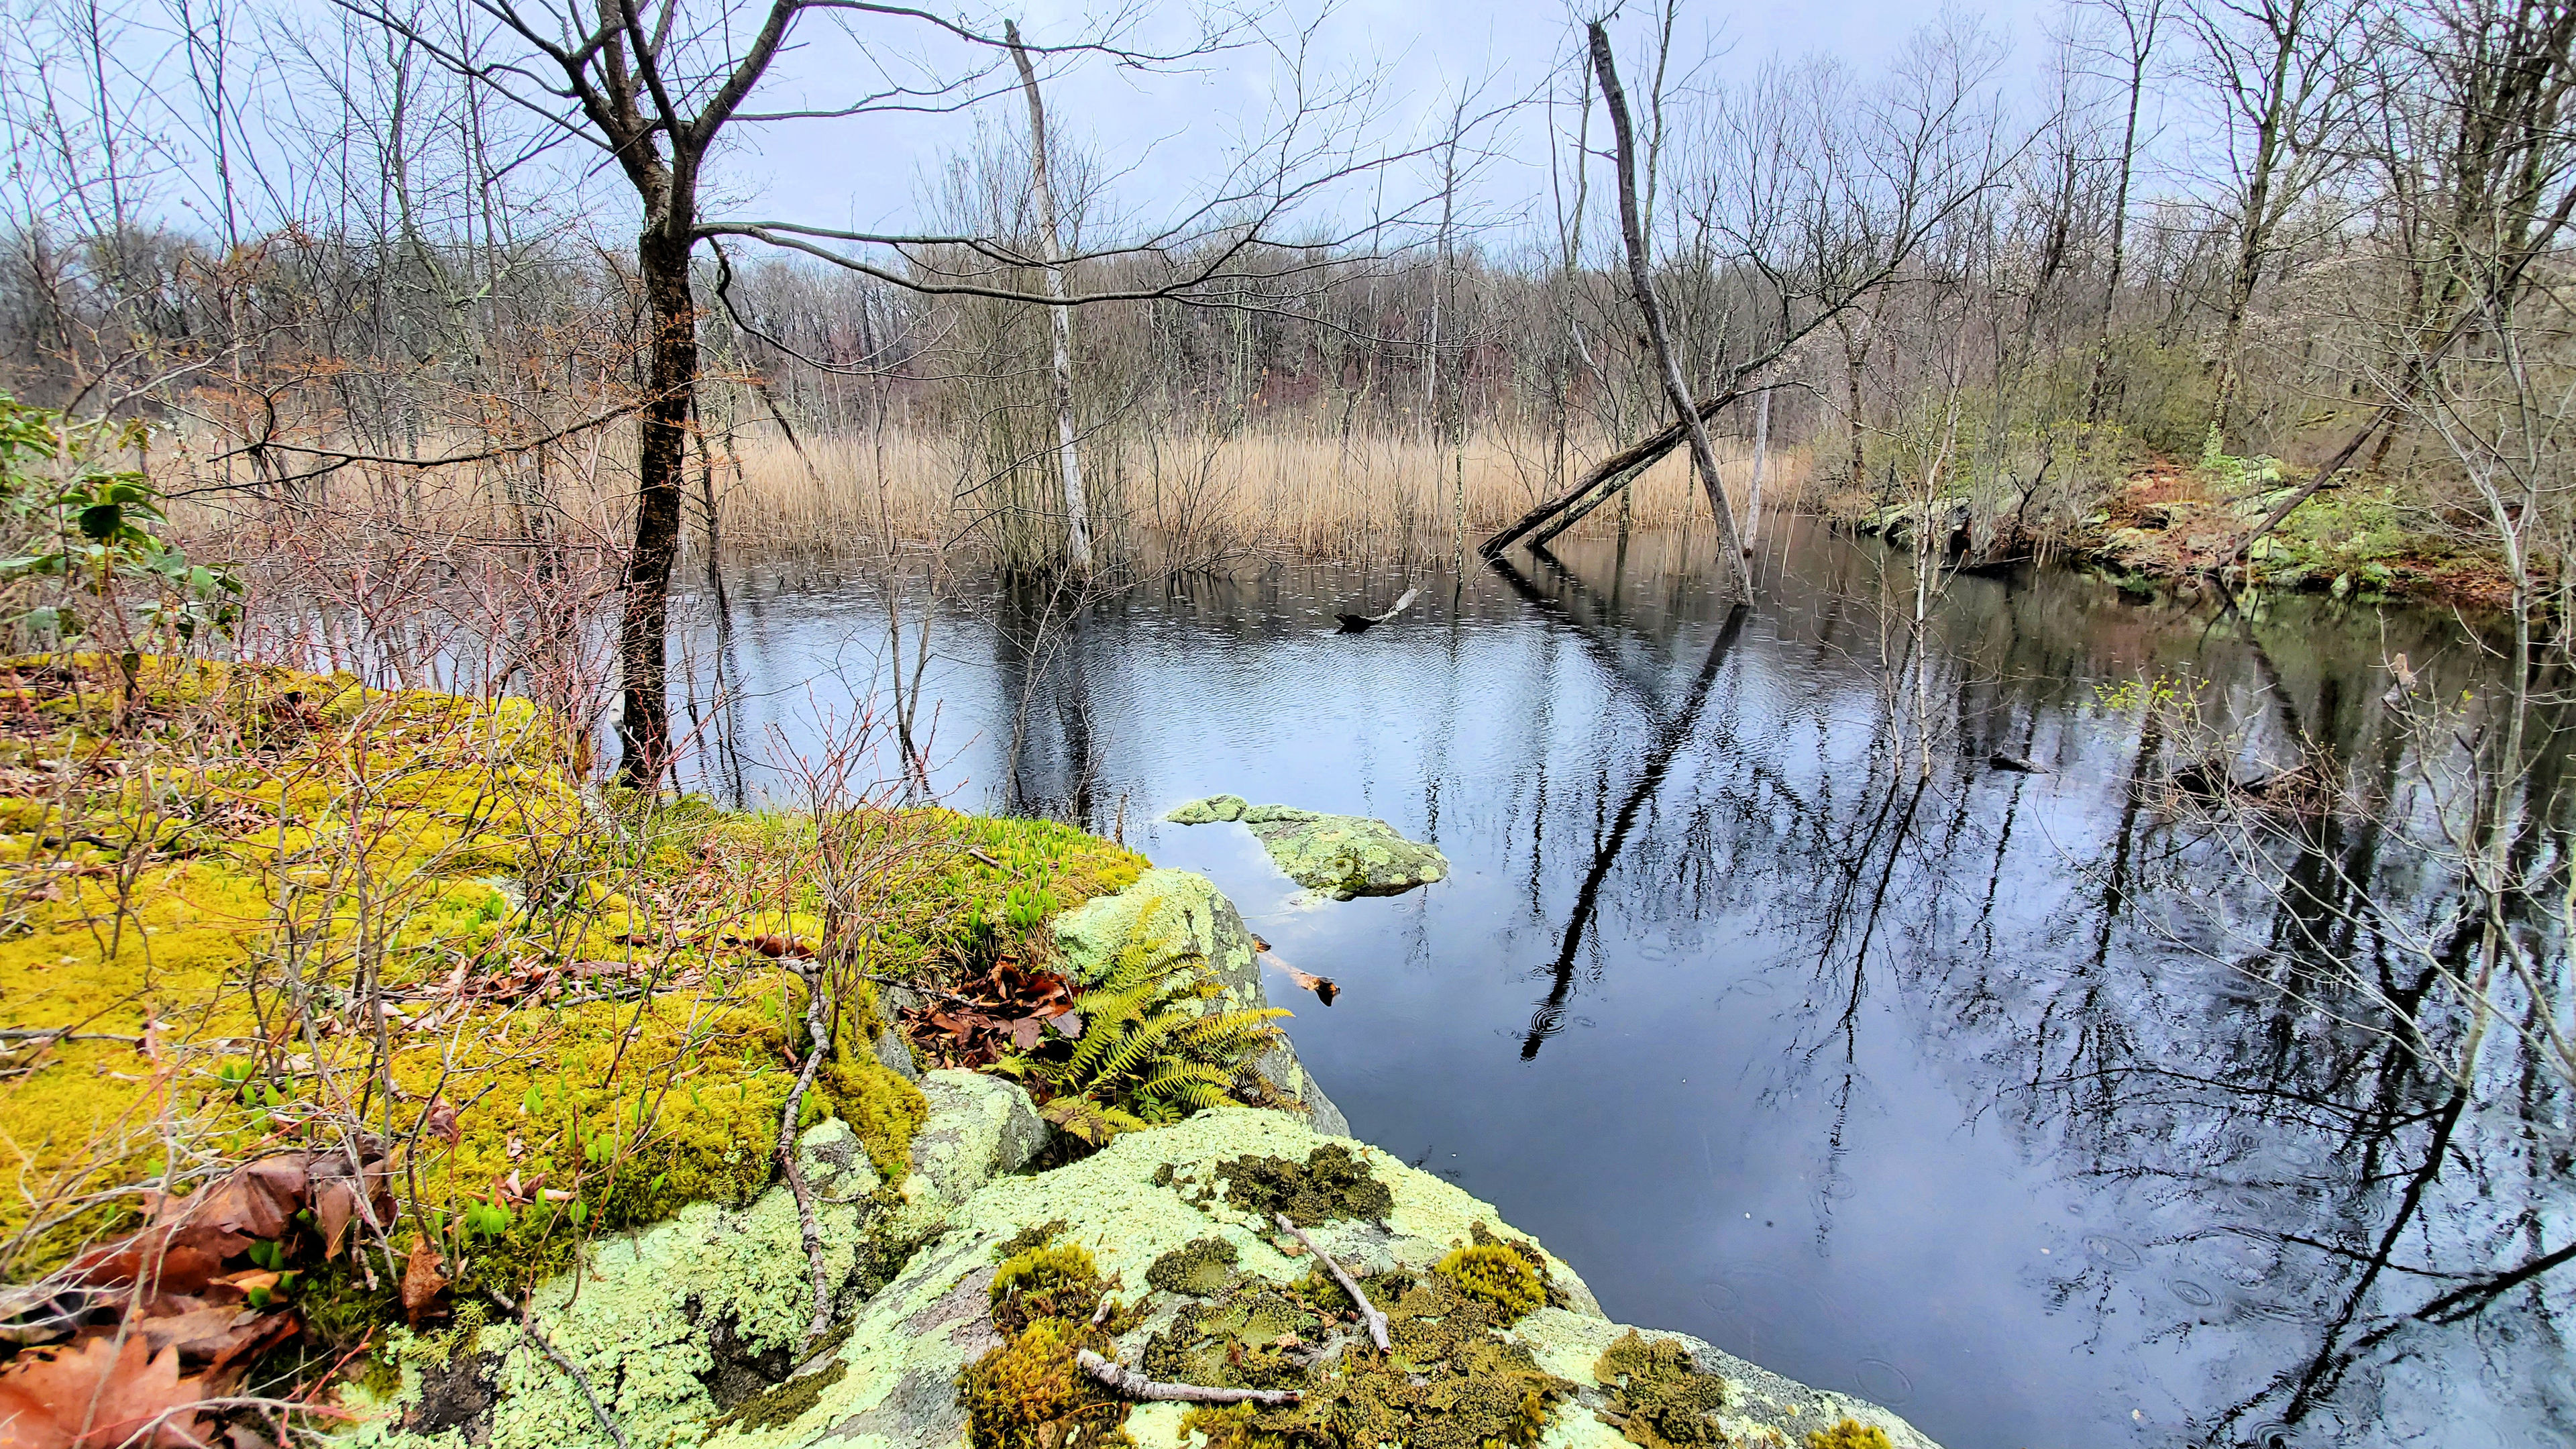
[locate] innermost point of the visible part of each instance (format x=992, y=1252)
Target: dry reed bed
x=1200, y=497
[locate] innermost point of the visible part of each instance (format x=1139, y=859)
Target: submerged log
x=1362, y=623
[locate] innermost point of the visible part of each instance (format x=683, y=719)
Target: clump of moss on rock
x=1450, y=1382
x=1330, y=1183
x=1046, y=1280
x=1497, y=1277
x=1029, y=1393
x=1200, y=1269
x=1659, y=1397
x=1849, y=1434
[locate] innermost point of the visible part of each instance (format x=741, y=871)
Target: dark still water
x=1997, y=1098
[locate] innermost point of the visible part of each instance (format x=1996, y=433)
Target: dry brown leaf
x=1322, y=986
x=441, y=1121
x=424, y=1278
x=98, y=1394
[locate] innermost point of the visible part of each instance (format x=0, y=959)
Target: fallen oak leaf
x=440, y=1120
x=99, y=1393
x=424, y=1278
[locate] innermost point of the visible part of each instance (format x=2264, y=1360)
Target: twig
x=917, y=986
x=817, y=1032
x=1136, y=1386
x=988, y=860
x=528, y=1326
x=1368, y=1310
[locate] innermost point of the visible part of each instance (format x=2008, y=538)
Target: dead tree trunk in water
x=1077, y=511
x=1733, y=576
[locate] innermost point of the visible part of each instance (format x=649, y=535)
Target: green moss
x=1028, y=1239
x=246, y=809
x=1658, y=1397
x=1496, y=1276
x=1483, y=1236
x=1200, y=1268
x=783, y=1405
x=1330, y=1183
x=1056, y=1280
x=1849, y=1434
x=1028, y=1394
x=1451, y=1381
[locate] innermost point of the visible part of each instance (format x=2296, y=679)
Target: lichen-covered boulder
x=677, y=1324
x=980, y=1127
x=1343, y=856
x=1184, y=1210
x=1183, y=911
x=1208, y=811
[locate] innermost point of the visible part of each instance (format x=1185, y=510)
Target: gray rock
x=980, y=1127
x=896, y=1053
x=1343, y=856
x=1150, y=1193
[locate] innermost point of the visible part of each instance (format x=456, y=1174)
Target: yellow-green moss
x=1658, y=1397
x=1056, y=1280
x=1029, y=1394
x=1496, y=1276
x=161, y=859
x=1450, y=1382
x=1849, y=1434
x=1330, y=1183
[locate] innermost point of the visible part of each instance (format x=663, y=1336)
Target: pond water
x=1994, y=1097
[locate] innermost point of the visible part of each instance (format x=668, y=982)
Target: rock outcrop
x=1184, y=911
x=676, y=1324
x=691, y=1332
x=1343, y=856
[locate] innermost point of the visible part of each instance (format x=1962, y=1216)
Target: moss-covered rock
x=657, y=1319
x=1343, y=856
x=1153, y=1209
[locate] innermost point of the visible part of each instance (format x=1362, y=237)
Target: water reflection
x=2014, y=1101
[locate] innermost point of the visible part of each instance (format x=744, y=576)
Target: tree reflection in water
x=1683, y=836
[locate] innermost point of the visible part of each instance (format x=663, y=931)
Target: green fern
x=1151, y=1050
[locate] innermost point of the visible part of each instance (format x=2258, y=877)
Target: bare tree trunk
x=1077, y=511
x=1732, y=575
x=644, y=723
x=2142, y=39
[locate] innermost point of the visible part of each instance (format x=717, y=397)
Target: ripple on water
x=1882, y=1382
x=2117, y=1254
x=2190, y=1292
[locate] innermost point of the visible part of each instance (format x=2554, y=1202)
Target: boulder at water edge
x=1341, y=855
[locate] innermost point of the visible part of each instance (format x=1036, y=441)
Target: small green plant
x=1152, y=1049
x=99, y=532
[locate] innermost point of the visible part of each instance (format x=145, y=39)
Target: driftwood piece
x=1361, y=623
x=1134, y=1385
x=1368, y=1310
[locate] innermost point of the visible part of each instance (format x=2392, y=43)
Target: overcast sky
x=1166, y=135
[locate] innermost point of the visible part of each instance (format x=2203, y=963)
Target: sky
x=1164, y=136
